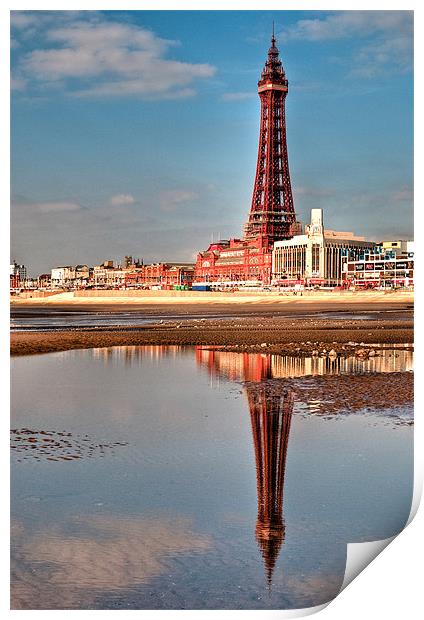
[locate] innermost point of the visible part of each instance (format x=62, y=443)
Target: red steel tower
x=272, y=212
x=248, y=261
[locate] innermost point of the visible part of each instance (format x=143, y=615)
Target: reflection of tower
x=270, y=416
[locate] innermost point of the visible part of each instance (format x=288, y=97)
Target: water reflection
x=270, y=418
x=131, y=354
x=77, y=565
x=270, y=412
x=169, y=521
x=258, y=366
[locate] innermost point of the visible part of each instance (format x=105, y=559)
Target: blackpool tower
x=272, y=212
x=247, y=261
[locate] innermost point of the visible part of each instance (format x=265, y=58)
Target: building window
x=315, y=257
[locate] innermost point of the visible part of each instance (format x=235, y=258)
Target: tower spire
x=272, y=212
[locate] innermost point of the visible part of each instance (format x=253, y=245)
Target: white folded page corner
x=359, y=555
x=418, y=488
x=265, y=614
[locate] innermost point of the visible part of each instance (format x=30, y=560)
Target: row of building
x=274, y=250
x=108, y=275
x=316, y=257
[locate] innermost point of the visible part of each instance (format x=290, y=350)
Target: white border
x=391, y=586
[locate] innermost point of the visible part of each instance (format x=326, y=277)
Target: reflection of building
x=234, y=366
x=315, y=257
x=247, y=261
x=270, y=415
x=259, y=366
x=135, y=353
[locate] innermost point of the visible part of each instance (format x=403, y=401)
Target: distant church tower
x=270, y=417
x=272, y=212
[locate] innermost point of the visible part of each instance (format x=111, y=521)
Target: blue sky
x=136, y=132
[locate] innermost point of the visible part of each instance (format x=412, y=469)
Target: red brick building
x=165, y=275
x=236, y=262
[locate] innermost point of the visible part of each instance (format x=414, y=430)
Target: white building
x=316, y=257
x=70, y=276
x=62, y=276
x=18, y=270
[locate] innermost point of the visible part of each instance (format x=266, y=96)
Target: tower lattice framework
x=272, y=212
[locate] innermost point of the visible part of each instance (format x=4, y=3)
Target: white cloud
x=347, y=24
x=170, y=200
x=313, y=192
x=391, y=33
x=97, y=57
x=17, y=83
x=47, y=207
x=238, y=96
x=122, y=199
x=378, y=56
x=22, y=19
x=403, y=195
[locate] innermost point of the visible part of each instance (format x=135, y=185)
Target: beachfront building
x=167, y=275
x=82, y=276
x=105, y=275
x=70, y=276
x=18, y=272
x=316, y=257
x=135, y=275
x=63, y=277
x=44, y=280
x=234, y=263
x=389, y=264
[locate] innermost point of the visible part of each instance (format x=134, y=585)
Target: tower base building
x=235, y=262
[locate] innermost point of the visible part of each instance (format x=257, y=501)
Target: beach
x=149, y=401
x=320, y=322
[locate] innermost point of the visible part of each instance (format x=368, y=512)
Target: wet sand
x=334, y=394
x=291, y=335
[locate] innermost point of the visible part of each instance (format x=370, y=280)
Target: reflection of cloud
x=310, y=590
x=54, y=569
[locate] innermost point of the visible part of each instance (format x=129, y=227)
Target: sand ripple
x=57, y=445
